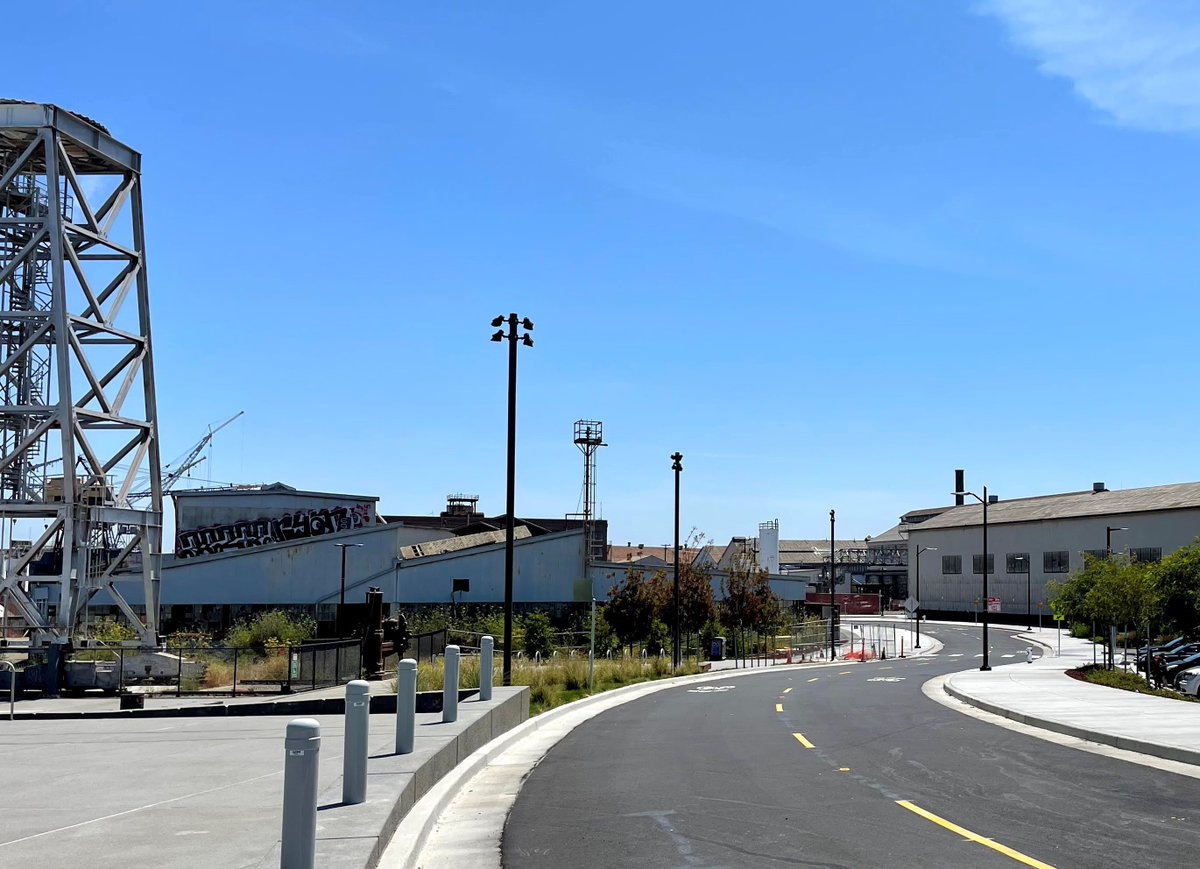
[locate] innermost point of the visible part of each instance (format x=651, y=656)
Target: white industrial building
x=1032, y=541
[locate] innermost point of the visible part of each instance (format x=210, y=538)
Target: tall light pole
x=985, y=500
x=342, y=599
x=1108, y=533
x=920, y=549
x=514, y=323
x=832, y=585
x=677, y=467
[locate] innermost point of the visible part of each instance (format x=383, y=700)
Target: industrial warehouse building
x=1032, y=541
x=245, y=549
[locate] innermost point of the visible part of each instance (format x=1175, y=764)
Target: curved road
x=721, y=775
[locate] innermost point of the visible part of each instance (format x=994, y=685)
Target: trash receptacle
x=133, y=701
x=717, y=651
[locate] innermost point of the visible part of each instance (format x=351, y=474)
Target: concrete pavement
x=199, y=791
x=1041, y=695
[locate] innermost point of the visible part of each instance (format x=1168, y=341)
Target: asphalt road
x=720, y=775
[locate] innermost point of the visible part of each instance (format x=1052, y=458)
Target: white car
x=1189, y=681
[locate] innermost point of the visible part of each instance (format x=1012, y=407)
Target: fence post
x=486, y=655
x=354, y=751
x=450, y=685
x=235, y=663
x=406, y=705
x=302, y=749
x=179, y=682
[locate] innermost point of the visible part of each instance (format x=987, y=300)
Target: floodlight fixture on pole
x=1108, y=533
x=514, y=324
x=917, y=612
x=677, y=467
x=342, y=596
x=985, y=500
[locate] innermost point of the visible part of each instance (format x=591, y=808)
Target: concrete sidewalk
x=1042, y=695
x=207, y=791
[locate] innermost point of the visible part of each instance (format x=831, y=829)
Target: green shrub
x=1126, y=681
x=272, y=629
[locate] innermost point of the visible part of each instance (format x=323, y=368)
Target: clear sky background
x=829, y=251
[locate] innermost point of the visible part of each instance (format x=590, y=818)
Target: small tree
x=634, y=605
x=1176, y=581
x=539, y=635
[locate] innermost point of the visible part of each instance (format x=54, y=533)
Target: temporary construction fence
x=869, y=641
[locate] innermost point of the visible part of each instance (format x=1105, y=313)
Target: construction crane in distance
x=173, y=475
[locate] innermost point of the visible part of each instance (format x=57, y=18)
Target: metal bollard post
x=302, y=752
x=486, y=651
x=406, y=705
x=354, y=751
x=450, y=685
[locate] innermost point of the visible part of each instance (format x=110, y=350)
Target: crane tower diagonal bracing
x=77, y=414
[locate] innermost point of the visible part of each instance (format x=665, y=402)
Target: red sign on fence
x=993, y=604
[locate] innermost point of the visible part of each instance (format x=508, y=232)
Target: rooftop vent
x=1098, y=487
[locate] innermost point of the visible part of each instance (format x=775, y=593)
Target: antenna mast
x=589, y=437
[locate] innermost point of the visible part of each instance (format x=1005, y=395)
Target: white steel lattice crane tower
x=78, y=419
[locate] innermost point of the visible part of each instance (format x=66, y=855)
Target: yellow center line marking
x=814, y=679
x=800, y=738
x=843, y=769
x=778, y=707
x=787, y=690
x=974, y=837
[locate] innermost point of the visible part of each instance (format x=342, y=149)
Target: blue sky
x=829, y=251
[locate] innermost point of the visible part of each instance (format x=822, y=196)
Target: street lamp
x=677, y=467
x=920, y=549
x=832, y=581
x=985, y=500
x=342, y=598
x=1108, y=533
x=514, y=323
x=1028, y=590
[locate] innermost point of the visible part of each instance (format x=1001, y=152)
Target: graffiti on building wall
x=259, y=532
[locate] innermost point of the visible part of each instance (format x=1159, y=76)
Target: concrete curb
x=1166, y=752
x=359, y=839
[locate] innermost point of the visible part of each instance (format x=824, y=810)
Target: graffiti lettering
x=259, y=532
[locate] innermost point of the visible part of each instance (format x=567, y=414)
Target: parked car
x=1172, y=669
x=1165, y=650
x=1189, y=681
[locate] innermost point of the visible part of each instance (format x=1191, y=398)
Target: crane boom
x=193, y=458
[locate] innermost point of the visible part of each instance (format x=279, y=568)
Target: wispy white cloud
x=1137, y=60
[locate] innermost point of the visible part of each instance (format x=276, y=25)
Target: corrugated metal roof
x=1177, y=496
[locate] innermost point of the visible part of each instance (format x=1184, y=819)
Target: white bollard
x=354, y=749
x=450, y=686
x=486, y=659
x=302, y=752
x=406, y=705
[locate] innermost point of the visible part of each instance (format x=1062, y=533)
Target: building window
x=1146, y=554
x=977, y=563
x=1016, y=562
x=1056, y=562
x=951, y=564
x=1101, y=554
